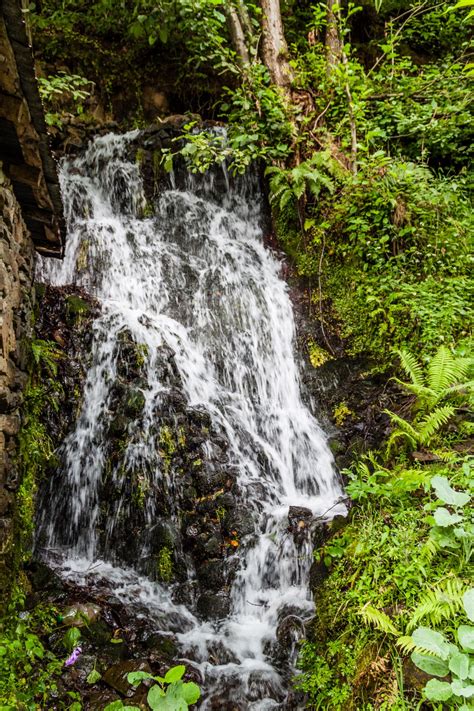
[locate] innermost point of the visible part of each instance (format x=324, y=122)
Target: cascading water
x=193, y=281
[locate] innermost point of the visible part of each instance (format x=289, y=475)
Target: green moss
x=167, y=446
x=220, y=513
x=142, y=351
x=83, y=255
x=317, y=355
x=140, y=489
x=165, y=565
x=181, y=437
x=77, y=305
x=341, y=413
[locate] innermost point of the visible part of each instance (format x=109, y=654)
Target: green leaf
x=93, y=676
x=444, y=518
x=430, y=665
x=446, y=493
x=71, y=638
x=466, y=637
x=175, y=673
x=136, y=677
x=431, y=641
x=468, y=602
x=436, y=690
x=190, y=692
x=459, y=664
x=154, y=697
x=461, y=689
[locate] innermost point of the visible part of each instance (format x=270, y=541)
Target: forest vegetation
x=359, y=116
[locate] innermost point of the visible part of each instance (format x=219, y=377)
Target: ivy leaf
x=436, y=690
x=461, y=689
x=446, y=493
x=190, y=692
x=459, y=664
x=93, y=676
x=444, y=518
x=466, y=637
x=136, y=677
x=175, y=673
x=430, y=665
x=468, y=602
x=431, y=641
x=156, y=698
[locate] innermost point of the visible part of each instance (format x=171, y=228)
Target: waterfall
x=194, y=287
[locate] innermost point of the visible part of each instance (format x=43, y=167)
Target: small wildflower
x=74, y=657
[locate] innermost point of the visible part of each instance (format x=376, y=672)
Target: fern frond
x=378, y=619
x=403, y=425
x=407, y=645
x=286, y=197
x=444, y=370
x=429, y=550
x=412, y=368
x=398, y=434
x=443, y=602
x=433, y=422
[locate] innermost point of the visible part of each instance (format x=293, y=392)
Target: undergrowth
x=400, y=574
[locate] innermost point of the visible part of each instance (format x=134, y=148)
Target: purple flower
x=74, y=657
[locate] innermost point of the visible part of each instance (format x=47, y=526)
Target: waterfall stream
x=193, y=281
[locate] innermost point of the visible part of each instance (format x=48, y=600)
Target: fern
x=445, y=370
x=407, y=645
x=378, y=619
x=433, y=422
x=443, y=602
x=412, y=368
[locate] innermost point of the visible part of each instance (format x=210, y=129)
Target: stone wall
x=16, y=273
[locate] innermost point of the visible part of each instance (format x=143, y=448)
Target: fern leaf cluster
x=442, y=602
x=378, y=619
x=439, y=391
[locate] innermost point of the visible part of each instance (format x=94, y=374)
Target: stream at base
x=189, y=284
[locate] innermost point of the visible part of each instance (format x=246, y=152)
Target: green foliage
x=62, y=89
x=439, y=392
x=169, y=693
x=452, y=529
x=258, y=127
x=28, y=671
x=401, y=566
x=435, y=654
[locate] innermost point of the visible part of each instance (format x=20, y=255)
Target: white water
x=197, y=278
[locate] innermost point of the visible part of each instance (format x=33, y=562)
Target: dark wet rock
x=317, y=574
x=239, y=519
x=98, y=632
x=116, y=675
x=161, y=645
x=185, y=593
x=80, y=614
x=134, y=403
x=98, y=699
x=289, y=631
x=220, y=654
x=212, y=574
x=213, y=606
x=300, y=520
x=337, y=524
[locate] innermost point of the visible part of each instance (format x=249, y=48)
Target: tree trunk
x=237, y=34
x=274, y=47
x=332, y=40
